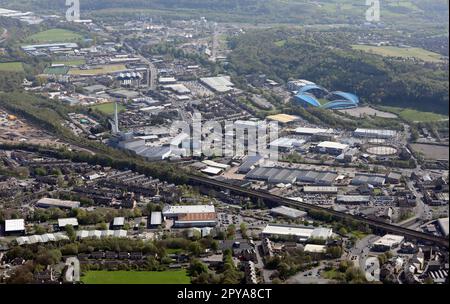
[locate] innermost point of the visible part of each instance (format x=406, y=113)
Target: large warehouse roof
x=14, y=225
x=332, y=145
x=67, y=221
x=302, y=233
x=174, y=210
x=288, y=212
x=389, y=241
x=287, y=176
x=219, y=84
x=51, y=202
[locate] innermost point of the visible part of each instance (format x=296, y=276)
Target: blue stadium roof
x=310, y=87
x=337, y=99
x=307, y=99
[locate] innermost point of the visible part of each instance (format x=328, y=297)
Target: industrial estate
x=98, y=183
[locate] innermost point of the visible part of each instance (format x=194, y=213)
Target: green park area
x=403, y=52
x=136, y=277
x=108, y=108
x=11, y=67
x=54, y=35
x=415, y=115
x=99, y=70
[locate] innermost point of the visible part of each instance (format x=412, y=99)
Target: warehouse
x=221, y=84
x=83, y=234
x=373, y=133
x=191, y=215
x=16, y=226
x=118, y=222
x=211, y=171
x=283, y=118
x=67, y=221
x=366, y=179
x=353, y=199
x=288, y=212
x=290, y=176
x=331, y=147
x=285, y=144
x=250, y=163
x=320, y=190
x=50, y=202
x=311, y=248
x=301, y=234
x=313, y=131
x=155, y=219
x=388, y=242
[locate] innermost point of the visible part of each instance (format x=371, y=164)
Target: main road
x=375, y=224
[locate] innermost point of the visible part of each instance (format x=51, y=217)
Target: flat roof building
x=312, y=131
x=332, y=147
x=388, y=242
x=220, y=84
x=288, y=212
x=443, y=226
x=191, y=215
x=311, y=248
x=155, y=218
x=118, y=222
x=67, y=221
x=374, y=133
x=320, y=189
x=353, y=199
x=51, y=202
x=302, y=234
x=14, y=226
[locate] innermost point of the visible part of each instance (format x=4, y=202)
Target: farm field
x=101, y=70
x=54, y=35
x=415, y=115
x=11, y=67
x=392, y=51
x=108, y=108
x=432, y=152
x=361, y=111
x=136, y=277
x=70, y=62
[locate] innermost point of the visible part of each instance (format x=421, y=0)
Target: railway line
x=379, y=225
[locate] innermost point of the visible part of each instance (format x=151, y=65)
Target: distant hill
x=327, y=59
x=263, y=11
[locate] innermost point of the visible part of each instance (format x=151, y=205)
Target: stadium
x=316, y=96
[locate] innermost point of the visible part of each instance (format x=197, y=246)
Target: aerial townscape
x=224, y=142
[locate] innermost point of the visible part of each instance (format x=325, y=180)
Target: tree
x=231, y=232
x=196, y=268
x=71, y=232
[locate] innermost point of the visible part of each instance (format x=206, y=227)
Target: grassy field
x=70, y=62
x=414, y=115
x=101, y=70
x=54, y=35
x=136, y=277
x=392, y=51
x=108, y=108
x=11, y=67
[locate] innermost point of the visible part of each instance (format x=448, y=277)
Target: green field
x=108, y=108
x=414, y=115
x=101, y=70
x=11, y=67
x=75, y=62
x=392, y=51
x=54, y=35
x=136, y=277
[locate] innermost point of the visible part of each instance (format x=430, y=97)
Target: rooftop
x=14, y=225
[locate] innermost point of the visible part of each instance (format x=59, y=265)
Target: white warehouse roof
x=118, y=221
x=389, y=240
x=315, y=248
x=300, y=232
x=173, y=210
x=332, y=145
x=289, y=212
x=14, y=225
x=67, y=221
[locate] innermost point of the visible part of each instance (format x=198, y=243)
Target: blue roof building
x=316, y=96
